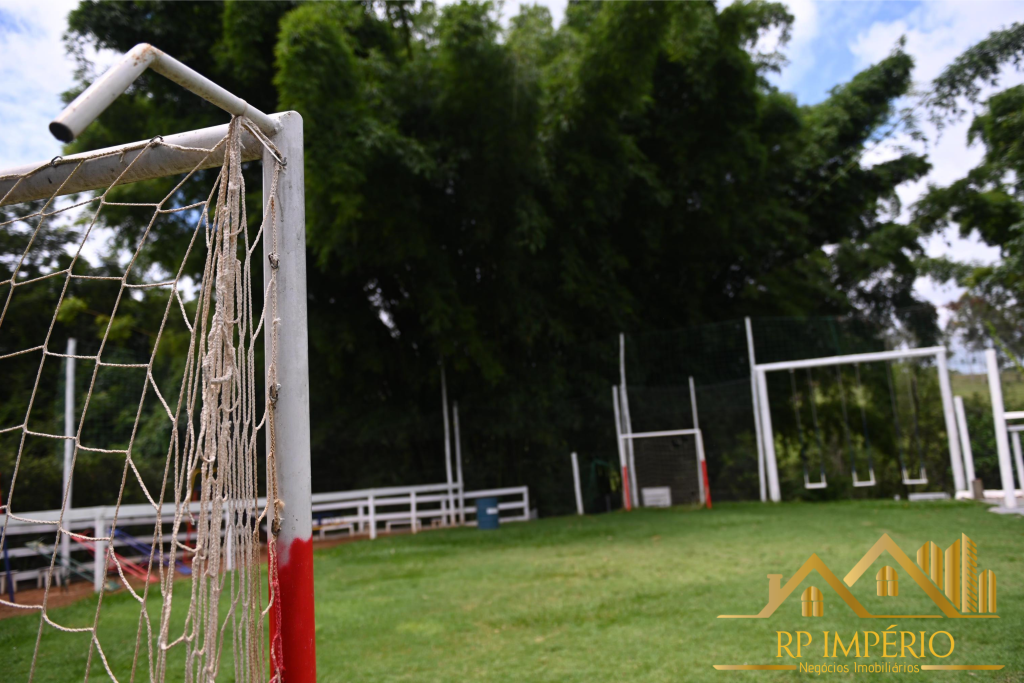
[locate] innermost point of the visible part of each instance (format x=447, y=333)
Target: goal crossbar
x=179, y=153
x=945, y=390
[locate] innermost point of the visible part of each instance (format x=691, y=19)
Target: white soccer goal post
x=658, y=476
x=655, y=471
x=946, y=394
x=212, y=402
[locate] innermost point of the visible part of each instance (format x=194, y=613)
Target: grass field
x=619, y=597
x=1012, y=384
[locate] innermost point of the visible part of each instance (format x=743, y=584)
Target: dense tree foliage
x=990, y=197
x=505, y=200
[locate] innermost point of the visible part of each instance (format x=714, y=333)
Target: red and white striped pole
x=705, y=487
x=292, y=623
x=622, y=450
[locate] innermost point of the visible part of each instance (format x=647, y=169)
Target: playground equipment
x=764, y=423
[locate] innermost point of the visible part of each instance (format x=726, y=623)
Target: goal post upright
x=292, y=624
x=627, y=422
x=69, y=448
x=702, y=466
x=297, y=628
x=621, y=443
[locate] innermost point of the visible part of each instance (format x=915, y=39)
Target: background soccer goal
x=189, y=445
x=662, y=449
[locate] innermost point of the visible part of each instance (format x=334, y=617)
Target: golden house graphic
x=950, y=578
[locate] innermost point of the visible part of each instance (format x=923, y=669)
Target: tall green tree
x=990, y=197
x=505, y=200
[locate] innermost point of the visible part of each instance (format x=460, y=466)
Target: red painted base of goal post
x=707, y=488
x=292, y=625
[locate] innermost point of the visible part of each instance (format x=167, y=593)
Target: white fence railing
x=366, y=511
x=412, y=507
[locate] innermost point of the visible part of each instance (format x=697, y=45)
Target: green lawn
x=1011, y=380
x=620, y=597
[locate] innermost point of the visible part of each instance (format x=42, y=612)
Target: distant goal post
x=700, y=472
x=282, y=413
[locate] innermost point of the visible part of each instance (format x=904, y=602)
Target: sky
x=831, y=42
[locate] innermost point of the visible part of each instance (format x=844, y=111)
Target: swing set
x=808, y=401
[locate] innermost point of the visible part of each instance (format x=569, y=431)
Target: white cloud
x=800, y=50
x=936, y=33
x=34, y=71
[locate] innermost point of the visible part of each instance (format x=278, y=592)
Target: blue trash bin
x=487, y=513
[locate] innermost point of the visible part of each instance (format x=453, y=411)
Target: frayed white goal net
x=173, y=451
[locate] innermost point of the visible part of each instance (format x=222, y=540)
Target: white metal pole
x=949, y=415
x=412, y=511
x=620, y=442
x=999, y=422
x=965, y=441
x=1018, y=460
x=99, y=567
x=627, y=423
x=105, y=89
x=576, y=483
x=700, y=443
x=458, y=466
x=771, y=467
x=450, y=513
x=69, y=449
x=291, y=409
x=229, y=534
x=757, y=416
x=372, y=505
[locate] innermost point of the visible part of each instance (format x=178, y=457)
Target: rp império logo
x=950, y=578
